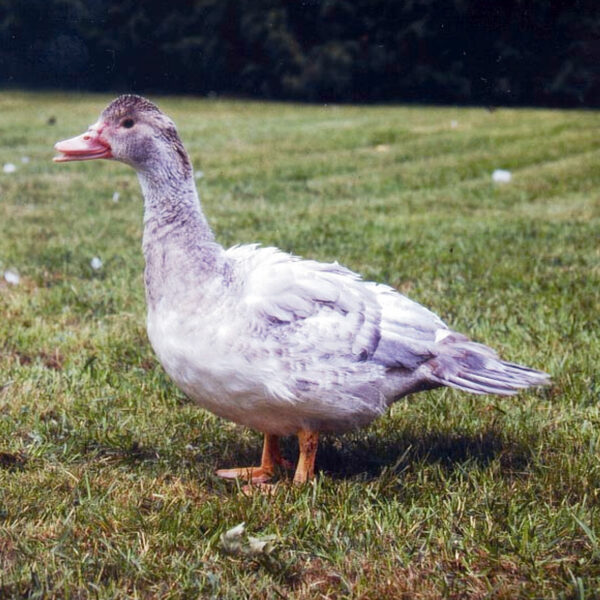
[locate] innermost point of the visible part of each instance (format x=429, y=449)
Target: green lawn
x=106, y=470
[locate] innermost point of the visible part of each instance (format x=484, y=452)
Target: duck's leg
x=271, y=456
x=308, y=442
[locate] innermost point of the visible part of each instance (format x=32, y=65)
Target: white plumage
x=263, y=338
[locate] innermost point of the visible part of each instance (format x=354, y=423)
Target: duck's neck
x=172, y=208
x=178, y=245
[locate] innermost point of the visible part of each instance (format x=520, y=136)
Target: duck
x=263, y=338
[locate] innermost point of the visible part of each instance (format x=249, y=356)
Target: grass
x=106, y=470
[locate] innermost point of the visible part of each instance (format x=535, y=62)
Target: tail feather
x=473, y=387
x=477, y=369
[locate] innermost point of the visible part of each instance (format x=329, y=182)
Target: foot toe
x=252, y=474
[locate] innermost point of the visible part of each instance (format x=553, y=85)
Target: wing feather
x=332, y=322
x=325, y=301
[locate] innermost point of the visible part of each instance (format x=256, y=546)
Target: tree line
x=516, y=52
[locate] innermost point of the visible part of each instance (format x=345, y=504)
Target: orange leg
x=308, y=442
x=271, y=456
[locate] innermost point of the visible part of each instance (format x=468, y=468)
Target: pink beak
x=87, y=146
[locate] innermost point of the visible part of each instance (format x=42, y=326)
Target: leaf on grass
x=231, y=540
x=234, y=542
x=262, y=545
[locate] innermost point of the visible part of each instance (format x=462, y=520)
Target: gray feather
x=475, y=368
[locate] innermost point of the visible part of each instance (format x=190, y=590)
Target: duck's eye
x=127, y=123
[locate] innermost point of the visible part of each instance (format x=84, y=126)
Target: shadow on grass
x=367, y=456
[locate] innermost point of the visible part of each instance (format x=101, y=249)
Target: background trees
x=543, y=52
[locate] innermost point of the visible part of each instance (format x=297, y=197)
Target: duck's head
x=132, y=130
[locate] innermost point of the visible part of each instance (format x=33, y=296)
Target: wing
x=333, y=309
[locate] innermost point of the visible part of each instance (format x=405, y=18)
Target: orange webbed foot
x=251, y=474
x=271, y=456
x=257, y=477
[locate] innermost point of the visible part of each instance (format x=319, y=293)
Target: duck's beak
x=87, y=146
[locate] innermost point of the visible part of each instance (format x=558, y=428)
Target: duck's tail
x=475, y=368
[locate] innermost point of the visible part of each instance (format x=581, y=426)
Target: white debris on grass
x=96, y=263
x=9, y=168
x=232, y=539
x=24, y=159
x=11, y=277
x=233, y=542
x=199, y=174
x=501, y=176
x=382, y=148
x=453, y=124
x=116, y=196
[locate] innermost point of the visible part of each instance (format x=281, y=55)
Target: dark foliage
x=544, y=52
